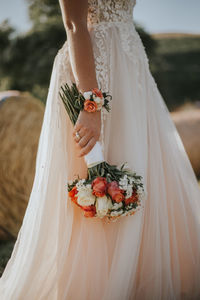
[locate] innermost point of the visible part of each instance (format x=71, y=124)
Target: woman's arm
x=74, y=13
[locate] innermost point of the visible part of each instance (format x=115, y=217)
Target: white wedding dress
x=155, y=254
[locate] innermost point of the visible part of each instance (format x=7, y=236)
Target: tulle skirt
x=155, y=254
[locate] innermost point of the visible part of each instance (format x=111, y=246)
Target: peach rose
x=132, y=199
x=89, y=211
x=99, y=186
x=97, y=93
x=90, y=106
x=115, y=192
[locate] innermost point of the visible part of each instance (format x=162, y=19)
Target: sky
x=156, y=16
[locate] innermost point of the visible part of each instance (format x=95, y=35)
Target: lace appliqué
x=110, y=10
x=102, y=68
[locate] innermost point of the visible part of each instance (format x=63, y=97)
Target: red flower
x=97, y=92
x=132, y=199
x=72, y=194
x=90, y=106
x=115, y=192
x=89, y=211
x=99, y=186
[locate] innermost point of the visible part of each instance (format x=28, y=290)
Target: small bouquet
x=116, y=193
x=108, y=192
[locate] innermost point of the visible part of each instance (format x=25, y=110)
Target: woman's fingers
x=87, y=131
x=85, y=150
x=84, y=140
x=77, y=127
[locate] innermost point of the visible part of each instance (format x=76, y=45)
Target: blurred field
x=176, y=67
x=20, y=124
x=187, y=121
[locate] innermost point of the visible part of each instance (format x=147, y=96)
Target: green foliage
x=27, y=60
x=176, y=69
x=149, y=43
x=44, y=12
x=5, y=36
x=5, y=253
x=6, y=31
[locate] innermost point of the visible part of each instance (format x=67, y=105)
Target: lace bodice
x=110, y=11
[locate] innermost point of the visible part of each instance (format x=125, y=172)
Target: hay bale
x=188, y=125
x=20, y=124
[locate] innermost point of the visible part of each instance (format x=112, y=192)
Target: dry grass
x=20, y=125
x=187, y=121
x=175, y=35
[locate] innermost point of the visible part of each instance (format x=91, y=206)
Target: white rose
x=85, y=197
x=87, y=95
x=103, y=204
x=99, y=101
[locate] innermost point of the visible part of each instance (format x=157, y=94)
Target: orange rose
x=73, y=192
x=99, y=186
x=90, y=106
x=89, y=211
x=72, y=195
x=132, y=199
x=97, y=92
x=115, y=192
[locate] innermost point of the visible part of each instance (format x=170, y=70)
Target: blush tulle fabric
x=154, y=254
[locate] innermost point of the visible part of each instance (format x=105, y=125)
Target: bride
x=62, y=255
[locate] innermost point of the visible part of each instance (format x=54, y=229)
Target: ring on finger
x=77, y=135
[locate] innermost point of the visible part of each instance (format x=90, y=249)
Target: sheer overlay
x=154, y=254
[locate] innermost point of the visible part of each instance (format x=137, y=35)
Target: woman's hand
x=88, y=127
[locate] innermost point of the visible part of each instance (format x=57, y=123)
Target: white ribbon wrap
x=95, y=156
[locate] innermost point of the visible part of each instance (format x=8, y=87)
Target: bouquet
x=108, y=192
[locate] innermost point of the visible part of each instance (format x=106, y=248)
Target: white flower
x=103, y=204
x=129, y=191
x=87, y=95
x=80, y=184
x=99, y=101
x=125, y=184
x=117, y=205
x=123, y=181
x=124, y=214
x=131, y=180
x=85, y=196
x=117, y=213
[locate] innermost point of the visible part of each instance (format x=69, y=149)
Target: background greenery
x=26, y=60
